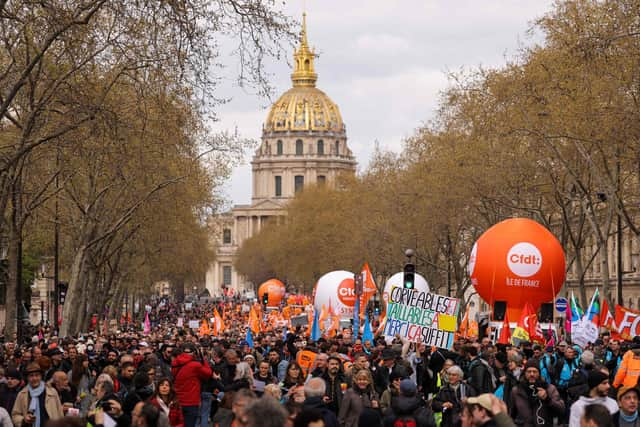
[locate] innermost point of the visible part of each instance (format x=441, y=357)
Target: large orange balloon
x=517, y=261
x=276, y=290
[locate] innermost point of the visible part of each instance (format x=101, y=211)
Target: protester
x=392, y=391
x=599, y=386
x=361, y=395
x=629, y=369
x=485, y=410
x=627, y=416
x=9, y=390
x=37, y=403
x=166, y=400
x=265, y=412
x=314, y=391
x=448, y=402
x=336, y=383
x=187, y=372
x=595, y=415
x=479, y=373
x=409, y=408
x=534, y=402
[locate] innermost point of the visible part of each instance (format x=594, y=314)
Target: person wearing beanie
x=409, y=406
x=391, y=392
x=627, y=416
x=534, y=401
x=598, y=382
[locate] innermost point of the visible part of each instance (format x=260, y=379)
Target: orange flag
x=219, y=327
x=254, y=322
x=204, y=328
x=464, y=325
x=505, y=332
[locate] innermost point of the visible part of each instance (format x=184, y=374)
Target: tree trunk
x=74, y=294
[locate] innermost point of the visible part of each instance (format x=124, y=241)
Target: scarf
x=34, y=405
x=629, y=418
x=163, y=406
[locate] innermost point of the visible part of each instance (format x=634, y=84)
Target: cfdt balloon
x=517, y=261
x=276, y=290
x=335, y=291
x=397, y=280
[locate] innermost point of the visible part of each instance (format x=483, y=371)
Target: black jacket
x=410, y=407
x=316, y=402
x=479, y=376
x=334, y=392
x=447, y=393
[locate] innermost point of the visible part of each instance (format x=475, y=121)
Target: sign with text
x=301, y=320
x=422, y=317
x=628, y=322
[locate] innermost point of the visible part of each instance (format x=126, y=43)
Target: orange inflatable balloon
x=517, y=261
x=276, y=291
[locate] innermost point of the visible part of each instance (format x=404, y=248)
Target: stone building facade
x=304, y=142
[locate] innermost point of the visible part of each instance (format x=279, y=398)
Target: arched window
x=320, y=147
x=306, y=65
x=279, y=148
x=337, y=148
x=299, y=147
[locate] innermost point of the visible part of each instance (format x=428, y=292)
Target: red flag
x=535, y=330
x=505, y=332
x=606, y=319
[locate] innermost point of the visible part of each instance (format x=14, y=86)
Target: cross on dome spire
x=303, y=71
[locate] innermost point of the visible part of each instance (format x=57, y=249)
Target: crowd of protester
x=173, y=376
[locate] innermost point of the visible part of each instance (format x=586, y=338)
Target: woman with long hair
x=293, y=377
x=361, y=395
x=81, y=378
x=166, y=400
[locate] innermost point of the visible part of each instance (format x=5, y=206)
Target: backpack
x=406, y=421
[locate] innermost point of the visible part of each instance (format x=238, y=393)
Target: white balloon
x=397, y=280
x=331, y=289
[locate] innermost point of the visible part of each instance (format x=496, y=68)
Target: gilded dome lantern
x=304, y=107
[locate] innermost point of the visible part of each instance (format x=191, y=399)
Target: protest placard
x=194, y=324
x=422, y=317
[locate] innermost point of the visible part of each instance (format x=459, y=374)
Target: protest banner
x=422, y=317
x=194, y=324
x=584, y=332
x=628, y=322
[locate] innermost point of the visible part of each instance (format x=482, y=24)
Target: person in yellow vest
x=629, y=370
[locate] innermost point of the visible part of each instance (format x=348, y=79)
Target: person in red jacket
x=166, y=400
x=188, y=370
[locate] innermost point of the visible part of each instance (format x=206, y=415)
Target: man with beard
x=598, y=394
x=334, y=379
x=165, y=360
x=535, y=402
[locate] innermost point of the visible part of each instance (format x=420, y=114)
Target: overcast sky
x=384, y=63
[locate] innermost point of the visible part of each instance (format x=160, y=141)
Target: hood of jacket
x=405, y=405
x=181, y=360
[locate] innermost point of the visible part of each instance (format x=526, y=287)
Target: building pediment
x=263, y=205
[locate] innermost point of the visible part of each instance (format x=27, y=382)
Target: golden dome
x=304, y=107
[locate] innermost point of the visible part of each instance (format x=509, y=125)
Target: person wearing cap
x=627, y=416
x=10, y=389
x=187, y=372
x=55, y=354
x=383, y=372
x=37, y=403
x=409, y=408
x=629, y=370
x=599, y=387
x=534, y=401
x=448, y=402
x=391, y=392
x=485, y=410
